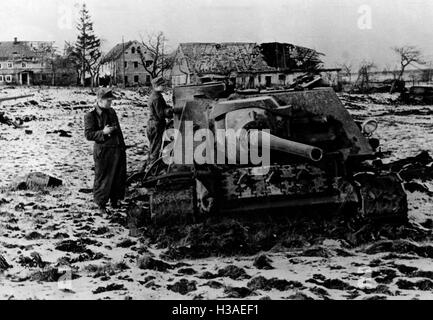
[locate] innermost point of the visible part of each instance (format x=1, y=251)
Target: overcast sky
x=344, y=30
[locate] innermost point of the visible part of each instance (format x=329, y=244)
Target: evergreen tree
x=87, y=49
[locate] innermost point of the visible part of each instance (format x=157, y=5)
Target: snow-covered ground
x=88, y=256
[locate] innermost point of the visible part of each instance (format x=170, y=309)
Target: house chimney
x=15, y=40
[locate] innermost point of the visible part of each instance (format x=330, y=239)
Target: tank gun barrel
x=267, y=140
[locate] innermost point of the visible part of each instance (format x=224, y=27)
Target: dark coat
x=157, y=107
x=95, y=123
x=109, y=156
x=156, y=124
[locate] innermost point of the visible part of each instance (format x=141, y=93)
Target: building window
x=282, y=77
x=126, y=79
x=147, y=80
x=148, y=63
x=8, y=78
x=251, y=82
x=10, y=65
x=0, y=65
x=136, y=79
x=268, y=80
x=44, y=77
x=125, y=64
x=132, y=50
x=135, y=64
x=24, y=65
x=1, y=78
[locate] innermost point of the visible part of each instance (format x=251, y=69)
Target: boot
x=102, y=209
x=115, y=204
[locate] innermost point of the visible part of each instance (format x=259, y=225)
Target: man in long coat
x=102, y=126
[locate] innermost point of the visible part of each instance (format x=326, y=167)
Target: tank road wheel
x=382, y=197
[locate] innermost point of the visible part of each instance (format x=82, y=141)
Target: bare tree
x=155, y=60
x=427, y=74
x=395, y=72
x=408, y=55
x=49, y=56
x=308, y=59
x=363, y=81
x=387, y=70
x=346, y=68
x=73, y=59
x=180, y=61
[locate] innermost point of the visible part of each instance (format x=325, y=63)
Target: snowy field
x=58, y=246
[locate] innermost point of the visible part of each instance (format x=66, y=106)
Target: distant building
x=21, y=63
x=248, y=65
x=236, y=61
x=123, y=63
x=27, y=63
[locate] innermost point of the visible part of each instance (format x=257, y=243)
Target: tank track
x=382, y=197
x=173, y=203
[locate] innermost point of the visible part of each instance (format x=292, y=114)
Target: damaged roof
x=223, y=58
x=287, y=56
x=24, y=49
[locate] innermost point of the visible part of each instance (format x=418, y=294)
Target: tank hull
x=341, y=175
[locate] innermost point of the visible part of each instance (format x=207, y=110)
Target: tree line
x=407, y=55
x=85, y=55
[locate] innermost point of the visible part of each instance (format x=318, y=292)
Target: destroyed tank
x=319, y=157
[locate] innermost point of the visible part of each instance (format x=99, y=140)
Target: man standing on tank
x=159, y=112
